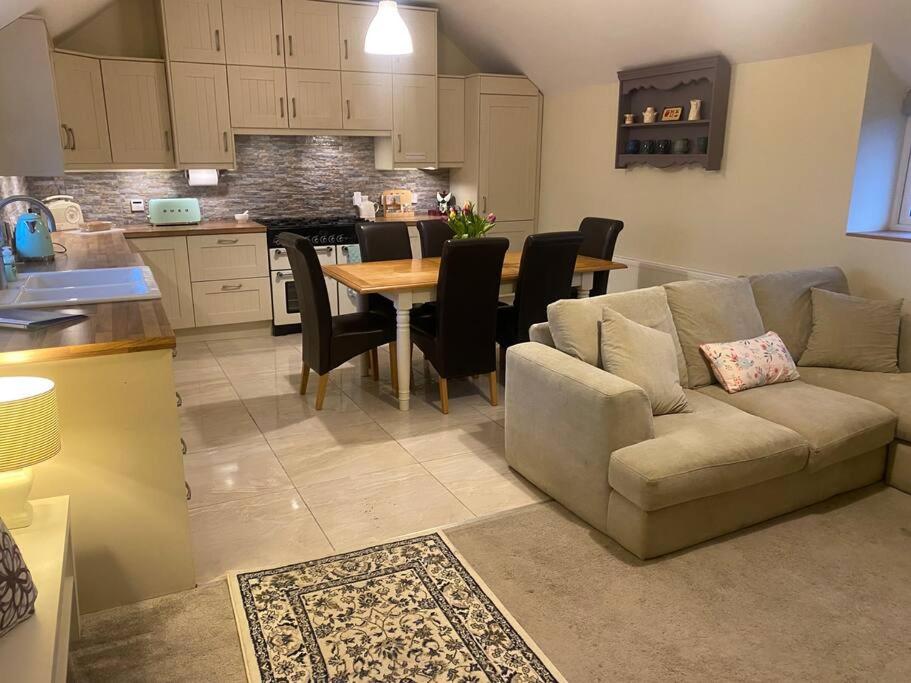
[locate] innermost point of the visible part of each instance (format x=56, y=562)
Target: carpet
x=408, y=610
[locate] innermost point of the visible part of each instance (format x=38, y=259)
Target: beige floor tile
x=267, y=384
x=244, y=470
x=441, y=442
x=282, y=360
x=352, y=451
x=215, y=425
x=242, y=345
x=287, y=414
x=483, y=482
x=202, y=392
x=360, y=510
x=259, y=532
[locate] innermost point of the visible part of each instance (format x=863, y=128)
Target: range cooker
x=332, y=238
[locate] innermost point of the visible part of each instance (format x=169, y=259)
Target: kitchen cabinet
x=312, y=34
x=227, y=257
x=257, y=96
x=253, y=32
x=514, y=231
x=202, y=122
x=353, y=21
x=451, y=100
x=367, y=100
x=315, y=98
x=227, y=302
x=136, y=97
x=83, y=120
x=168, y=259
x=414, y=131
x=194, y=31
x=422, y=24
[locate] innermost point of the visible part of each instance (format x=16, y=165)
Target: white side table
x=37, y=649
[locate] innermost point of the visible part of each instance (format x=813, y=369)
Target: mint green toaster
x=174, y=211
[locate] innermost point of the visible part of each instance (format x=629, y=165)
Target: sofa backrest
x=783, y=300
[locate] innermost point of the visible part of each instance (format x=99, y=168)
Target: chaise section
x=836, y=426
x=713, y=450
x=564, y=419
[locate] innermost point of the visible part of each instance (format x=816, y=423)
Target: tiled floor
x=274, y=481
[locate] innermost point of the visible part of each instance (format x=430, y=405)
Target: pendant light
x=387, y=34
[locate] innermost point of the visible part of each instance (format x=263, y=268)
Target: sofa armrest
x=564, y=418
x=904, y=344
x=540, y=332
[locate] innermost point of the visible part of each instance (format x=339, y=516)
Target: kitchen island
x=121, y=461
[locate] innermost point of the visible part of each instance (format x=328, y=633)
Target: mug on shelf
x=632, y=147
x=682, y=146
x=662, y=147
x=647, y=147
x=702, y=145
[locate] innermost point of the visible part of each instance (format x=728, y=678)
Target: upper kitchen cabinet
x=353, y=21
x=136, y=95
x=452, y=121
x=312, y=34
x=253, y=32
x=422, y=24
x=202, y=120
x=257, y=96
x=367, y=101
x=315, y=98
x=83, y=119
x=194, y=31
x=414, y=121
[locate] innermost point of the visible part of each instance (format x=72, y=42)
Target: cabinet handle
x=183, y=446
x=189, y=490
x=227, y=241
x=217, y=40
x=281, y=107
x=348, y=108
x=167, y=140
x=66, y=136
x=179, y=399
x=290, y=45
x=224, y=137
x=400, y=143
x=278, y=44
x=346, y=48
x=294, y=107
x=484, y=201
x=72, y=138
x=230, y=288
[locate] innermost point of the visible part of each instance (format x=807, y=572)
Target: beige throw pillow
x=853, y=333
x=646, y=357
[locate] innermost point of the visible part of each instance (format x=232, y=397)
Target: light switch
x=137, y=206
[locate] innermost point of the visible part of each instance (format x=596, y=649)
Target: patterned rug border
x=246, y=637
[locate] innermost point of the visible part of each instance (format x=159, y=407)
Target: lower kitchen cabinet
x=226, y=302
x=167, y=258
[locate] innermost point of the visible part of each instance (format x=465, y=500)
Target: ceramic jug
x=695, y=110
x=649, y=115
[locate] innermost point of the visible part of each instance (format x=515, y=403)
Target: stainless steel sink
x=74, y=287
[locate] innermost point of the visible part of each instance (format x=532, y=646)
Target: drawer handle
x=227, y=241
x=325, y=250
x=281, y=107
x=231, y=288
x=278, y=44
x=290, y=45
x=281, y=277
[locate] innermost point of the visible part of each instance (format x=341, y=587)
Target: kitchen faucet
x=31, y=201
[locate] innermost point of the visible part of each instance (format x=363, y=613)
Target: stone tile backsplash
x=277, y=176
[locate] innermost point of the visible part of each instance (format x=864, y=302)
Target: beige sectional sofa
x=658, y=484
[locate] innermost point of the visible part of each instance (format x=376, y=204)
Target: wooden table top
x=217, y=227
x=412, y=274
x=121, y=327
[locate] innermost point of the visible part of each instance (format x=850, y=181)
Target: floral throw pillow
x=17, y=592
x=750, y=363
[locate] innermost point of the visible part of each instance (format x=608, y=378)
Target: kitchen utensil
x=242, y=217
x=33, y=238
x=67, y=213
x=183, y=211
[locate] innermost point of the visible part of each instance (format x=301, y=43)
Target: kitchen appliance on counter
x=183, y=211
x=67, y=213
x=334, y=239
x=397, y=203
x=366, y=210
x=32, y=238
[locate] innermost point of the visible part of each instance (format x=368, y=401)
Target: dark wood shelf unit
x=669, y=85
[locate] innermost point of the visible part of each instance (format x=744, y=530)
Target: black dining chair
x=458, y=336
x=433, y=234
x=329, y=341
x=599, y=237
x=545, y=276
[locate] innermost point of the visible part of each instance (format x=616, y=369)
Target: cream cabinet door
x=227, y=302
x=167, y=258
x=315, y=98
x=312, y=34
x=253, y=32
x=353, y=21
x=367, y=101
x=451, y=102
x=226, y=257
x=202, y=122
x=422, y=25
x=508, y=169
x=193, y=31
x=514, y=231
x=136, y=94
x=414, y=132
x=80, y=97
x=258, y=97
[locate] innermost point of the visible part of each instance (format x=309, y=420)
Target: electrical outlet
x=137, y=206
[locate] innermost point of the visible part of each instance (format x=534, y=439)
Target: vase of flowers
x=467, y=223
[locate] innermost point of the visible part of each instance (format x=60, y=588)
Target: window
x=903, y=193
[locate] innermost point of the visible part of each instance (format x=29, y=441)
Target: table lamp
x=29, y=434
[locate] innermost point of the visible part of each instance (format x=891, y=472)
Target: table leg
x=364, y=362
x=403, y=302
x=586, y=285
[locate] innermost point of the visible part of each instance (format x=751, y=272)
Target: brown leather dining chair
x=329, y=341
x=599, y=237
x=433, y=234
x=458, y=336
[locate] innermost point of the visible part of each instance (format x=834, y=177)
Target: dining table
x=409, y=282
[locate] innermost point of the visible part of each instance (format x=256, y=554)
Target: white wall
x=780, y=201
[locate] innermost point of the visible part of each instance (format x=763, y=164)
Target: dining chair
x=545, y=276
x=458, y=336
x=433, y=235
x=329, y=341
x=599, y=237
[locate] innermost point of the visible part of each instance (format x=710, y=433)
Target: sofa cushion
x=891, y=390
x=835, y=425
x=750, y=363
x=574, y=322
x=712, y=450
x=708, y=311
x=783, y=300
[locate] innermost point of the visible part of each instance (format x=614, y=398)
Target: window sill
x=893, y=235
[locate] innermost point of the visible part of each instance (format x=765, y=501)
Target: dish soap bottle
x=9, y=264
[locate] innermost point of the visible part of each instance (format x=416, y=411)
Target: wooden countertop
x=412, y=220
x=111, y=328
x=205, y=227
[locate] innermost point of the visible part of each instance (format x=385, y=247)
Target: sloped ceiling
x=60, y=15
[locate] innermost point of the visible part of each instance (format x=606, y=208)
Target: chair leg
x=321, y=390
x=444, y=396
x=394, y=366
x=492, y=378
x=305, y=378
x=375, y=360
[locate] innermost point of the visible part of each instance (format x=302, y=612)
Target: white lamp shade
x=29, y=424
x=388, y=34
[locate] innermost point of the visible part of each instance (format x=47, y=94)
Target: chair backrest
x=599, y=237
x=545, y=276
x=313, y=299
x=433, y=234
x=467, y=299
x=383, y=241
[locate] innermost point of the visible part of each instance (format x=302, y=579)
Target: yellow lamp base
x=15, y=510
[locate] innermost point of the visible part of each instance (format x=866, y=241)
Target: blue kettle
x=32, y=238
